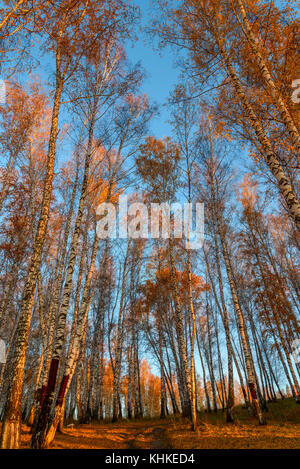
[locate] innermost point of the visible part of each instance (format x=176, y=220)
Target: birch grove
x=100, y=329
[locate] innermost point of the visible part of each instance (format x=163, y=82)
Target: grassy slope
x=282, y=431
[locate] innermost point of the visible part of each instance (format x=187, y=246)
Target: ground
x=281, y=431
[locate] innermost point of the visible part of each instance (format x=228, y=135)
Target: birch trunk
x=271, y=86
x=271, y=159
x=10, y=435
x=74, y=352
x=224, y=315
x=38, y=439
x=242, y=328
x=116, y=363
x=186, y=382
x=163, y=397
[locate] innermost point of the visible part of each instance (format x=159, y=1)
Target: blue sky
x=162, y=74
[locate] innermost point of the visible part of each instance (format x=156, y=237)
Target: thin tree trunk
x=10, y=435
x=271, y=87
x=271, y=159
x=242, y=327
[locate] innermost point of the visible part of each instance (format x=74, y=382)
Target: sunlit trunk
x=271, y=159
x=10, y=437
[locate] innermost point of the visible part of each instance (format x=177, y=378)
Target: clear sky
x=161, y=72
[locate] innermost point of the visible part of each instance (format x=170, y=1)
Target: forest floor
x=282, y=431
